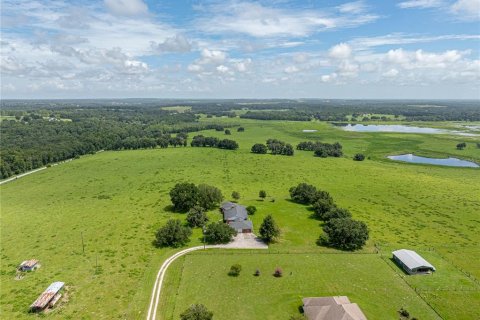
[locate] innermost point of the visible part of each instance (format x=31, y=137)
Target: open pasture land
x=117, y=200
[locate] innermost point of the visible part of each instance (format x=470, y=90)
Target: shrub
x=257, y=273
x=219, y=232
x=241, y=129
x=345, y=234
x=262, y=194
x=173, y=234
x=278, y=273
x=269, y=229
x=235, y=195
x=235, y=270
x=359, y=157
x=461, y=146
x=196, y=312
x=251, y=210
x=336, y=213
x=228, y=132
x=196, y=217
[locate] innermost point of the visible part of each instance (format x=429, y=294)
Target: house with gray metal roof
x=412, y=262
x=331, y=308
x=236, y=216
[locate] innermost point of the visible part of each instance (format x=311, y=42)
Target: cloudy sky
x=240, y=49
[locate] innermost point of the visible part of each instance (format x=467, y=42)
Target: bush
x=235, y=270
x=262, y=194
x=359, y=157
x=257, y=273
x=196, y=312
x=241, y=129
x=461, y=146
x=278, y=273
x=228, y=132
x=269, y=229
x=235, y=195
x=251, y=210
x=219, y=232
x=259, y=148
x=196, y=217
x=173, y=234
x=345, y=234
x=184, y=196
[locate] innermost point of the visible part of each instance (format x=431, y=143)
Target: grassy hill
x=116, y=201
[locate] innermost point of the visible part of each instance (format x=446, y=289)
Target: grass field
x=118, y=199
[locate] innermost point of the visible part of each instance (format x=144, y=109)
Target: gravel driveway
x=244, y=241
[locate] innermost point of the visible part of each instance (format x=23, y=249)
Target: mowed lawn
x=117, y=200
x=365, y=278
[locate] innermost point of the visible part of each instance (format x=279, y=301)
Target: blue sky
x=241, y=49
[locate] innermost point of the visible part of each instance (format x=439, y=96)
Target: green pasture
x=117, y=200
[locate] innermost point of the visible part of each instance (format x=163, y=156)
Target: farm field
x=116, y=201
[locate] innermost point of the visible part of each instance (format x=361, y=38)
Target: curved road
x=240, y=242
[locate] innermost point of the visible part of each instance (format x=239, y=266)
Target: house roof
x=241, y=224
x=47, y=295
x=412, y=260
x=232, y=211
x=332, y=308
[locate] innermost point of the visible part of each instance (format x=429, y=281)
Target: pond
x=308, y=130
x=398, y=128
x=450, y=162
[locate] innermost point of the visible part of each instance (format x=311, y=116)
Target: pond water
x=397, y=128
x=308, y=130
x=450, y=162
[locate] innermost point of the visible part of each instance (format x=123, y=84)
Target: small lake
x=450, y=162
x=308, y=130
x=397, y=128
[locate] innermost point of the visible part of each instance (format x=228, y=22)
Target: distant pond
x=450, y=162
x=397, y=128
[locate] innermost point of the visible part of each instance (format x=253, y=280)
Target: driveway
x=244, y=241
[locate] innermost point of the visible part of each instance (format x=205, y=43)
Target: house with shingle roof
x=331, y=308
x=236, y=216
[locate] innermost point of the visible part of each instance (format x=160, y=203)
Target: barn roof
x=412, y=260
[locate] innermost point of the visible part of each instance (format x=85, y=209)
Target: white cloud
x=212, y=56
x=340, y=51
x=126, y=7
x=178, y=43
x=222, y=69
x=257, y=20
x=467, y=9
x=291, y=69
x=355, y=7
x=391, y=73
x=329, y=77
x=421, y=4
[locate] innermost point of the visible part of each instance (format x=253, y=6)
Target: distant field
x=177, y=108
x=118, y=200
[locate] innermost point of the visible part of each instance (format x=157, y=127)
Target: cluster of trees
x=340, y=230
x=186, y=196
x=275, y=146
x=461, y=146
x=321, y=149
x=202, y=141
x=359, y=157
x=196, y=312
x=35, y=141
x=277, y=115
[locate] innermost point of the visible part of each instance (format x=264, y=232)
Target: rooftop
x=412, y=260
x=332, y=308
x=232, y=211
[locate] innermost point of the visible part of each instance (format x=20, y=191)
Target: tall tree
x=173, y=234
x=184, y=196
x=269, y=229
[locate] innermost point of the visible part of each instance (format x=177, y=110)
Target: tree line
x=321, y=149
x=275, y=146
x=339, y=229
x=202, y=141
